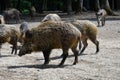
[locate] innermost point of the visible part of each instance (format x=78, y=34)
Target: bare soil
x=102, y=66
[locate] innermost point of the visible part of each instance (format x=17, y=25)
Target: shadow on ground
x=42, y=66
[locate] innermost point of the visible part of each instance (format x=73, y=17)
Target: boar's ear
x=28, y=34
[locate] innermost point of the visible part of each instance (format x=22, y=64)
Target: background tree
x=106, y=6
x=44, y=6
x=79, y=6
x=69, y=7
x=18, y=4
x=64, y=7
x=97, y=5
x=4, y=4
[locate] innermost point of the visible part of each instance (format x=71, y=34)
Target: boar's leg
x=103, y=21
x=75, y=51
x=14, y=48
x=95, y=41
x=97, y=46
x=98, y=21
x=46, y=54
x=0, y=47
x=85, y=44
x=14, y=43
x=65, y=55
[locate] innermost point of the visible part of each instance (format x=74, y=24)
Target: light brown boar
x=89, y=31
x=51, y=35
x=53, y=17
x=8, y=33
x=101, y=17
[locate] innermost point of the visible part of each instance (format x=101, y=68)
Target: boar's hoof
x=21, y=55
x=46, y=62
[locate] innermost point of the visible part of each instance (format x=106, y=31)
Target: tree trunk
x=64, y=8
x=86, y=4
x=69, y=7
x=18, y=4
x=106, y=6
x=117, y=4
x=113, y=4
x=4, y=4
x=79, y=6
x=44, y=7
x=97, y=5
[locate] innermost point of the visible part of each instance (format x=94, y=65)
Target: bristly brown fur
x=11, y=35
x=89, y=31
x=51, y=35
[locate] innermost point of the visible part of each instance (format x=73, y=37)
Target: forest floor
x=102, y=66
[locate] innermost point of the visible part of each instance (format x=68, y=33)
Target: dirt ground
x=102, y=66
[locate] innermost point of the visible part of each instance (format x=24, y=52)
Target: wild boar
x=8, y=33
x=89, y=31
x=51, y=35
x=101, y=17
x=12, y=14
x=53, y=17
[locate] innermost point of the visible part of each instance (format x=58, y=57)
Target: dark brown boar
x=8, y=33
x=88, y=29
x=12, y=14
x=51, y=35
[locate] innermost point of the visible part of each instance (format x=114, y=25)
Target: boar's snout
x=21, y=53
